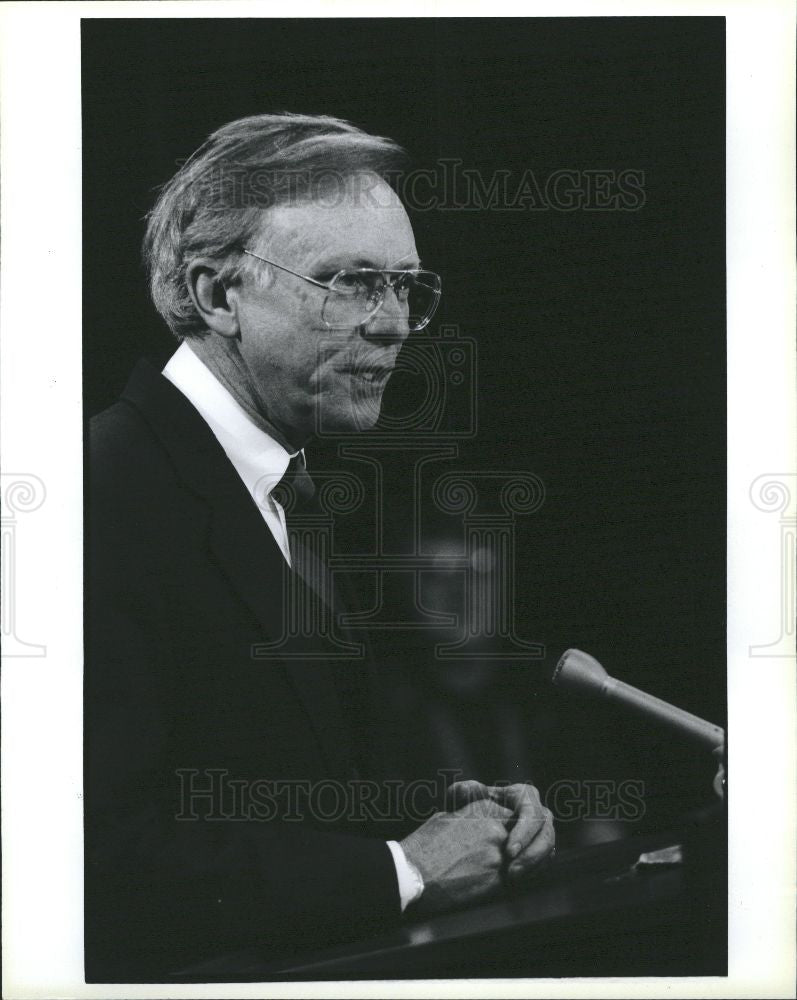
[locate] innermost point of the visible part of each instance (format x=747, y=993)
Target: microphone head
x=579, y=671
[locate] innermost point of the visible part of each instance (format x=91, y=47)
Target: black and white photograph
x=402, y=478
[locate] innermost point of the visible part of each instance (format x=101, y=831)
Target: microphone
x=579, y=671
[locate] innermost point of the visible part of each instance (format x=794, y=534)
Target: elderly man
x=286, y=267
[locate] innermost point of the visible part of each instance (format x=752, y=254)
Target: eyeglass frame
x=327, y=286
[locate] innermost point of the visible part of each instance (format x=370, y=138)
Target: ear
x=210, y=298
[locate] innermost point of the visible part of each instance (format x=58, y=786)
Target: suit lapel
x=239, y=540
x=257, y=569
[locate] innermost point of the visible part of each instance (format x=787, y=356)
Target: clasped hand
x=490, y=834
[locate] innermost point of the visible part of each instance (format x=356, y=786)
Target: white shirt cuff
x=410, y=881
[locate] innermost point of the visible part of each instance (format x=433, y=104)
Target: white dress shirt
x=260, y=462
x=257, y=458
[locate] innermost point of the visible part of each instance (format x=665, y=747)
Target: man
x=286, y=266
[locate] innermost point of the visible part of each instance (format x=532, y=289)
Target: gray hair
x=215, y=202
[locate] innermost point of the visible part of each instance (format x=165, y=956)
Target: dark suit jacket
x=183, y=578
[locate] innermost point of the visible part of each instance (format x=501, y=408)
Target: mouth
x=376, y=375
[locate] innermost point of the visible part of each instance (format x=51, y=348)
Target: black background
x=601, y=335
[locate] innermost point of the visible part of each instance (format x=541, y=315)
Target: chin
x=349, y=418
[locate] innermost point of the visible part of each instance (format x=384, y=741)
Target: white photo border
x=40, y=436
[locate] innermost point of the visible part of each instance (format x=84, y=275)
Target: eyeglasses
x=355, y=295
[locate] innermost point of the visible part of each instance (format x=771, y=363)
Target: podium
x=592, y=912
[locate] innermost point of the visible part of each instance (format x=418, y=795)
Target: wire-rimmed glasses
x=356, y=294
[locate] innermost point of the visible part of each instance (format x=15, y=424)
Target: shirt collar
x=259, y=460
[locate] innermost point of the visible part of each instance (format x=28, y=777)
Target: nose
x=390, y=324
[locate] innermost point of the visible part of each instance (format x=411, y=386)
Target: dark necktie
x=296, y=491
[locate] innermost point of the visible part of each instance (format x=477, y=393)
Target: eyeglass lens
x=355, y=295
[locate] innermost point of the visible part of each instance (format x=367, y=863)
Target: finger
x=462, y=792
x=486, y=809
x=536, y=852
x=530, y=815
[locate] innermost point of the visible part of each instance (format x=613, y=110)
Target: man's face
x=304, y=376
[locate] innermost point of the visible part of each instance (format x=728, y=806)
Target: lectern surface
x=591, y=913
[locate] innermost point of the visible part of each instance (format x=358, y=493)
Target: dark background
x=601, y=335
